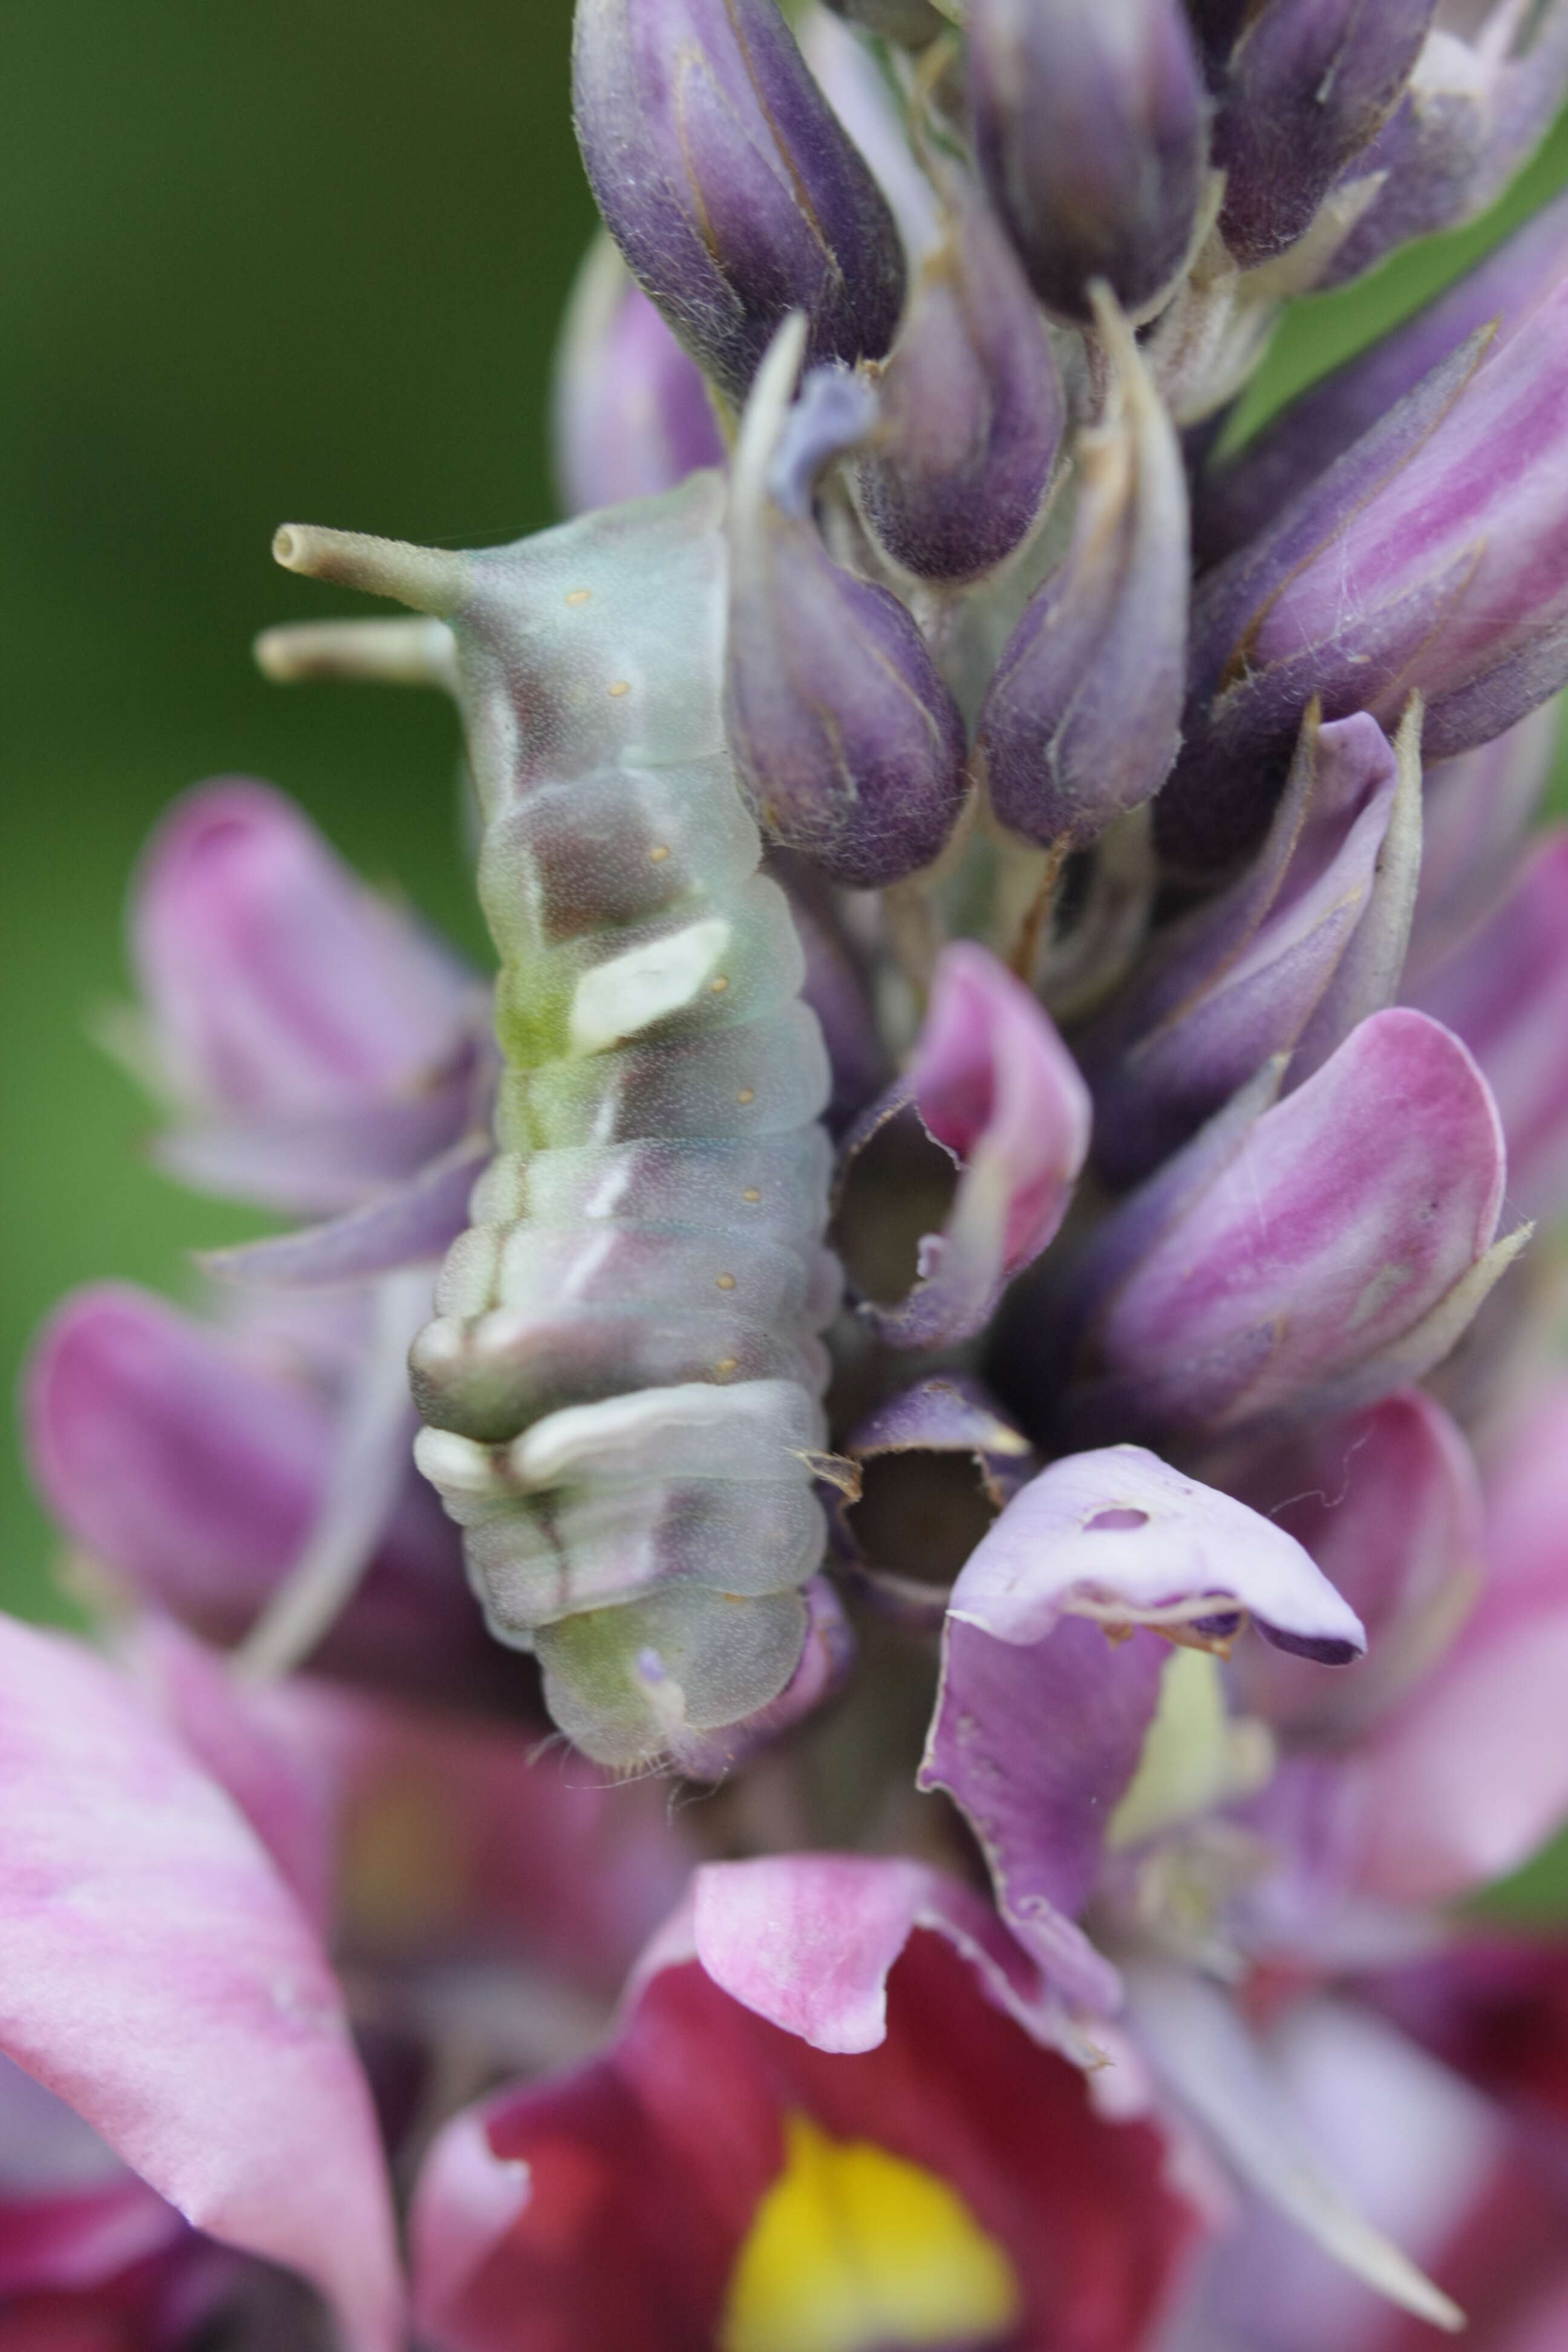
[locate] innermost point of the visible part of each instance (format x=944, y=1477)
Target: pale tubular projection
x=622, y=1381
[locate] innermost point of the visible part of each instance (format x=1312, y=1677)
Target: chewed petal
x=993, y=1085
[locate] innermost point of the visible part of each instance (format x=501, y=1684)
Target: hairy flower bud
x=971, y=411
x=1485, y=91
x=1310, y=83
x=631, y=412
x=1432, y=558
x=1304, y=944
x=728, y=182
x=849, y=747
x=1089, y=131
x=1236, y=499
x=1081, y=722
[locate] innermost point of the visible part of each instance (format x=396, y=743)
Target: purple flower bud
x=1505, y=993
x=1486, y=91
x=1089, y=131
x=1236, y=500
x=729, y=185
x=873, y=112
x=1081, y=720
x=1270, y=966
x=914, y=24
x=850, y=749
x=1308, y=1260
x=632, y=414
x=1310, y=82
x=1432, y=558
x=1476, y=812
x=971, y=411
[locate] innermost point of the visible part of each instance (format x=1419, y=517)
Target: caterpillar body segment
x=622, y=1382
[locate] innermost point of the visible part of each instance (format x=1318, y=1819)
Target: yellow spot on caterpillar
x=854, y=2248
x=658, y=853
x=725, y=1366
x=751, y=1195
x=746, y=1094
x=719, y=984
x=579, y=595
x=619, y=687
x=726, y=1282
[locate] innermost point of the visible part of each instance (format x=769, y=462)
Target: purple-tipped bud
x=1310, y=83
x=971, y=411
x=1309, y=940
x=632, y=414
x=1486, y=91
x=849, y=747
x=914, y=24
x=1432, y=558
x=1239, y=498
x=729, y=185
x=1091, y=131
x=1081, y=720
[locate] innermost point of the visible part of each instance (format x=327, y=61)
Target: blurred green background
x=274, y=258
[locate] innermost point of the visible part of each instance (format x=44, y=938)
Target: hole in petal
x=898, y=1187
x=1119, y=1521
x=921, y=1515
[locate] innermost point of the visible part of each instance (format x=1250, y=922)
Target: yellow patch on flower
x=853, y=2250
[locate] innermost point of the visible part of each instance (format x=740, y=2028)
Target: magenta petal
x=997, y=1088
x=278, y=981
x=1335, y=1256
x=1040, y=1720
x=807, y=1940
x=156, y=1975
x=1121, y=1536
x=605, y=2211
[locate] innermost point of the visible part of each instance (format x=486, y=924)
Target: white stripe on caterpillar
x=622, y=1381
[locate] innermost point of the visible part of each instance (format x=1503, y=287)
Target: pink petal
x=156, y=1975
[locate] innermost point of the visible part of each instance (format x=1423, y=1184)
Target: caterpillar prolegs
x=622, y=1382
